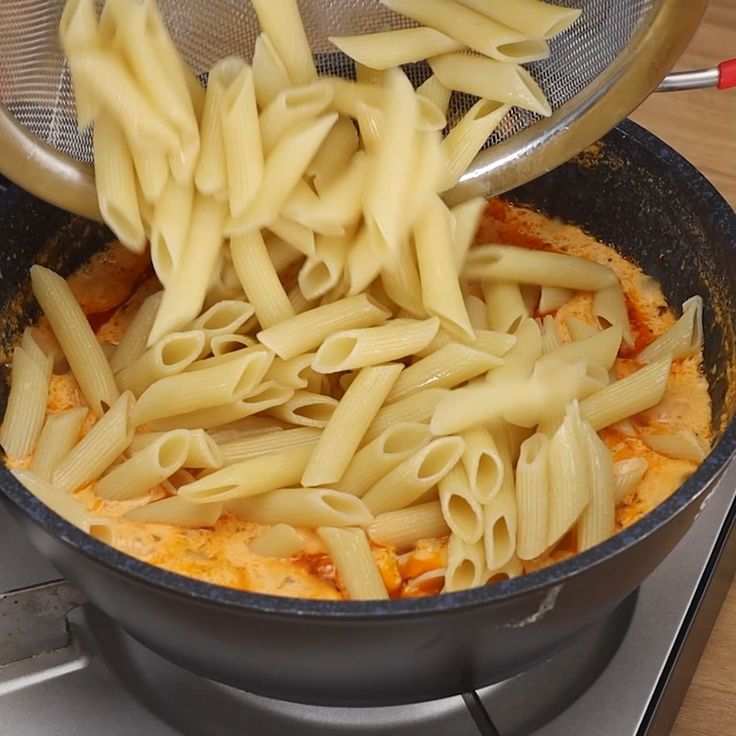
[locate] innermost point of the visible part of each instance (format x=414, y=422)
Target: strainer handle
x=722, y=76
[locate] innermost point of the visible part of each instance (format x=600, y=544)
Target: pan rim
x=213, y=595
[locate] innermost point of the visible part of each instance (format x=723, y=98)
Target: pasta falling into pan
x=326, y=390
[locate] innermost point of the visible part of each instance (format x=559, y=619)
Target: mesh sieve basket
x=598, y=71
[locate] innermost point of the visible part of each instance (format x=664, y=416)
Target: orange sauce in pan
x=221, y=554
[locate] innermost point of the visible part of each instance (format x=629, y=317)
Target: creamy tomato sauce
x=221, y=554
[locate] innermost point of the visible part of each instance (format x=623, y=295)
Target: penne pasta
x=467, y=137
x=684, y=338
x=534, y=18
x=322, y=272
x=98, y=449
x=59, y=502
x=279, y=541
x=532, y=497
x=368, y=346
x=418, y=407
x=306, y=409
x=435, y=91
x=410, y=480
x=626, y=476
x=637, y=392
x=609, y=309
x=483, y=463
x=210, y=175
x=203, y=451
x=351, y=555
x=333, y=156
x=476, y=31
x=506, y=306
x=171, y=218
x=551, y=298
x=71, y=328
x=223, y=318
x=346, y=427
x=519, y=362
x=146, y=468
x=682, y=444
x=253, y=445
x=177, y=511
x=269, y=73
x=551, y=336
x=600, y=349
x=399, y=274
x=404, y=528
x=598, y=521
x=133, y=343
x=303, y=507
x=441, y=295
x=395, y=48
x=460, y=508
x=447, y=367
x=251, y=477
x=580, y=329
x=259, y=279
x=466, y=565
x=509, y=263
x=59, y=435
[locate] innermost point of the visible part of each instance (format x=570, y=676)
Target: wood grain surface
x=701, y=125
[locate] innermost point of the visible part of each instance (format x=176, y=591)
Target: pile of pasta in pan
x=332, y=377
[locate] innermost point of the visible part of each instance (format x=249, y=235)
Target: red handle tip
x=727, y=78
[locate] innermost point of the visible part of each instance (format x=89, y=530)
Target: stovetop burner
x=78, y=674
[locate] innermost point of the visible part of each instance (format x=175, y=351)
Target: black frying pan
x=631, y=191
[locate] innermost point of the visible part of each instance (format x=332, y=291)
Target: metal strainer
x=599, y=70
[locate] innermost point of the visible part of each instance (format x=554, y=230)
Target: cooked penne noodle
x=257, y=360
x=483, y=463
x=396, y=443
x=152, y=175
x=279, y=541
x=203, y=451
x=468, y=136
x=553, y=297
x=367, y=346
x=334, y=154
x=435, y=91
x=169, y=356
x=418, y=407
x=245, y=427
x=306, y=331
x=580, y=329
x=296, y=235
x=194, y=390
x=269, y=73
x=283, y=256
x=569, y=475
x=487, y=341
x=253, y=445
x=473, y=30
x=306, y=409
x=59, y=435
x=71, y=328
x=509, y=263
x=519, y=362
x=626, y=476
x=609, y=309
x=350, y=98
x=184, y=296
x=506, y=306
x=352, y=556
x=115, y=180
x=59, y=502
x=292, y=373
x=600, y=349
x=177, y=511
x=26, y=406
x=404, y=528
x=133, y=342
x=241, y=137
x=259, y=279
x=225, y=317
x=460, y=508
x=400, y=274
x=532, y=497
x=410, y=480
x=262, y=398
x=345, y=429
x=637, y=392
x=466, y=565
x=283, y=170
x=512, y=569
x=322, y=272
x=146, y=468
x=682, y=444
x=467, y=218
x=684, y=338
x=293, y=108
x=251, y=477
x=395, y=48
x=551, y=336
x=282, y=23
x=98, y=449
x=303, y=507
x=532, y=17
x=441, y=295
x=493, y=81
x=447, y=367
x=598, y=521
x=391, y=170
x=171, y=218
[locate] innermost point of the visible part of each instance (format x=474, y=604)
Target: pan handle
x=722, y=76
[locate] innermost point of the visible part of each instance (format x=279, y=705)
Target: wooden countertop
x=701, y=125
